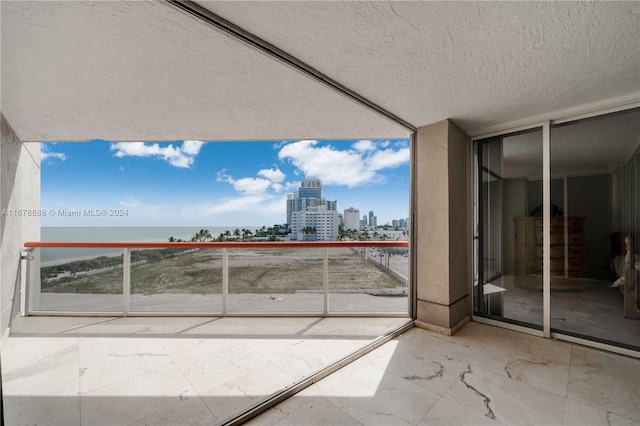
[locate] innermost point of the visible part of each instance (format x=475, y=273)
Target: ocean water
x=119, y=234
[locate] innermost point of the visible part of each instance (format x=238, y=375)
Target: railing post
x=325, y=284
x=25, y=256
x=225, y=281
x=126, y=280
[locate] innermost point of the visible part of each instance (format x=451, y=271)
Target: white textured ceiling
x=479, y=63
x=146, y=71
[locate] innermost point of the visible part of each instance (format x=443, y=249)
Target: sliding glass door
x=595, y=162
x=508, y=273
x=593, y=264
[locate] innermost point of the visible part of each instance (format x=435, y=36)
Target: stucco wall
x=19, y=190
x=443, y=226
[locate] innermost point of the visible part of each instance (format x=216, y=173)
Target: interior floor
x=579, y=306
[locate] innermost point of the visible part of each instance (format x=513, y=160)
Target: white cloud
x=388, y=158
x=251, y=185
x=129, y=202
x=350, y=167
x=191, y=147
x=274, y=175
x=270, y=179
x=181, y=156
x=47, y=154
x=364, y=145
x=228, y=205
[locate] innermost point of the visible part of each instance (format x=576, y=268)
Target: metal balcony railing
x=218, y=278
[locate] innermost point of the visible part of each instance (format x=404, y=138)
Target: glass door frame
x=476, y=205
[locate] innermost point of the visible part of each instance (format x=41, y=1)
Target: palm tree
x=388, y=252
x=202, y=235
x=308, y=230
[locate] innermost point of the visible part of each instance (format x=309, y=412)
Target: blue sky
x=194, y=183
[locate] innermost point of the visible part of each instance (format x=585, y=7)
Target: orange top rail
x=214, y=245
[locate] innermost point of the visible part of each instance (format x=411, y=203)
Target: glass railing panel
x=176, y=280
x=73, y=280
x=286, y=280
x=368, y=280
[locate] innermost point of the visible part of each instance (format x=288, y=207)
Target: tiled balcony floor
x=189, y=371
x=481, y=376
x=164, y=371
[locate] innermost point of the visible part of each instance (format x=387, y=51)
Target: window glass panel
x=593, y=290
x=508, y=284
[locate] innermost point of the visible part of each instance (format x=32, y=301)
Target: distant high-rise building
x=311, y=189
x=306, y=209
x=400, y=223
x=316, y=223
x=371, y=218
x=352, y=219
x=309, y=194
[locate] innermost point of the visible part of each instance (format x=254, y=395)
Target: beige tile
x=226, y=399
x=373, y=396
x=53, y=382
x=461, y=348
x=449, y=410
x=607, y=381
x=314, y=411
x=47, y=326
x=505, y=400
x=118, y=347
x=300, y=357
x=540, y=362
x=135, y=398
x=107, y=361
x=21, y=354
x=238, y=327
x=189, y=412
x=418, y=365
x=204, y=370
x=42, y=410
x=579, y=414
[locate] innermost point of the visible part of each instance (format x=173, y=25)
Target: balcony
x=217, y=278
x=193, y=370
x=322, y=352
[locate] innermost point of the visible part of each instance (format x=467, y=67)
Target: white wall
x=19, y=190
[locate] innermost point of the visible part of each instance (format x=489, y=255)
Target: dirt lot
x=250, y=271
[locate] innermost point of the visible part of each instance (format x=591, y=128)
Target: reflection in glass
x=594, y=165
x=508, y=261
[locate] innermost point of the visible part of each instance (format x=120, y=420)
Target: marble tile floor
x=481, y=376
x=131, y=371
x=589, y=308
x=165, y=371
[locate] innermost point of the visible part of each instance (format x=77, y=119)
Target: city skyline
x=187, y=183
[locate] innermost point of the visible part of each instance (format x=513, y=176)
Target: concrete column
x=442, y=222
x=19, y=192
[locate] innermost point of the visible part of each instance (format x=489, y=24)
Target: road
x=397, y=263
